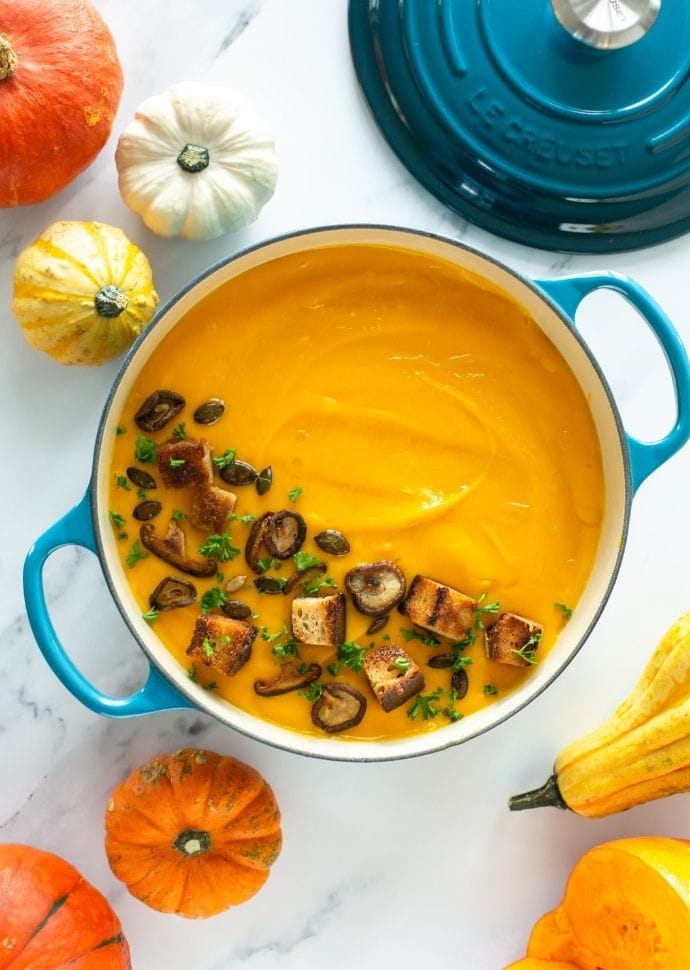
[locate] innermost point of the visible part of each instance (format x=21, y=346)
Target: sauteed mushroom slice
x=255, y=540
x=333, y=542
x=285, y=534
x=141, y=478
x=293, y=675
x=210, y=411
x=172, y=593
x=147, y=510
x=375, y=587
x=172, y=549
x=301, y=577
x=338, y=708
x=158, y=409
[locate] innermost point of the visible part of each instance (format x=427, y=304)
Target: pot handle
x=76, y=529
x=568, y=292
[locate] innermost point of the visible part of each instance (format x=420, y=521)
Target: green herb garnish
x=219, y=546
x=117, y=519
x=402, y=663
x=428, y=638
x=191, y=673
x=288, y=648
x=319, y=582
x=211, y=599
x=305, y=560
x=212, y=686
x=179, y=433
x=178, y=516
x=459, y=662
x=451, y=711
x=295, y=493
x=312, y=692
x=226, y=459
x=141, y=494
x=265, y=563
x=482, y=611
x=528, y=651
x=466, y=641
x=248, y=518
x=135, y=554
x=150, y=615
x=177, y=462
x=122, y=482
x=208, y=647
x=334, y=669
x=120, y=430
x=490, y=689
x=351, y=655
x=145, y=450
x=565, y=610
x=424, y=705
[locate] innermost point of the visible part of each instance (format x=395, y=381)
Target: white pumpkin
x=196, y=162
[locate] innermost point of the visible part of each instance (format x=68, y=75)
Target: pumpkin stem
x=193, y=158
x=192, y=842
x=8, y=58
x=548, y=796
x=110, y=301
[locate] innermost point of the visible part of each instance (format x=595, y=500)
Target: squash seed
x=237, y=609
x=459, y=683
x=147, y=510
x=265, y=480
x=376, y=625
x=332, y=542
x=239, y=473
x=141, y=478
x=210, y=411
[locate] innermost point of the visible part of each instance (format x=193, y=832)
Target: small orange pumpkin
x=193, y=833
x=60, y=86
x=50, y=916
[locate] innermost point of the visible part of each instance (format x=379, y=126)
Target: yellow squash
x=82, y=292
x=626, y=907
x=640, y=753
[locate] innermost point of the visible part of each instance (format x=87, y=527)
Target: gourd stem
x=193, y=158
x=192, y=842
x=548, y=796
x=110, y=301
x=8, y=59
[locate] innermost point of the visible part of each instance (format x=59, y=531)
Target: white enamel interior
x=617, y=499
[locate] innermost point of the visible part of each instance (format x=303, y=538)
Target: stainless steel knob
x=607, y=24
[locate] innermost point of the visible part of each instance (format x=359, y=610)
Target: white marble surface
x=403, y=864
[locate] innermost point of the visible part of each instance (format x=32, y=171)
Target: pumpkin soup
x=357, y=491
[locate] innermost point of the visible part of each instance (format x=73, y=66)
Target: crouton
x=319, y=620
x=393, y=675
x=440, y=609
x=184, y=463
x=211, y=508
x=513, y=640
x=222, y=643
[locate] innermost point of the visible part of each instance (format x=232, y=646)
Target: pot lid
x=562, y=124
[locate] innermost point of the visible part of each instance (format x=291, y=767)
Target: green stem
x=193, y=158
x=8, y=59
x=110, y=301
x=192, y=842
x=548, y=796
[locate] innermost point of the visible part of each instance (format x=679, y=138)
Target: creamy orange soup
x=423, y=414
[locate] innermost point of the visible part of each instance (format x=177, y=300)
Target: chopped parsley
x=402, y=663
x=312, y=692
x=451, y=712
x=305, y=560
x=319, y=582
x=191, y=673
x=211, y=599
x=122, y=482
x=150, y=615
x=211, y=686
x=178, y=516
x=490, y=689
x=459, y=662
x=226, y=459
x=219, y=546
x=428, y=638
x=120, y=430
x=245, y=519
x=334, y=669
x=528, y=651
x=145, y=450
x=266, y=562
x=272, y=637
x=288, y=648
x=466, y=641
x=351, y=655
x=141, y=494
x=565, y=610
x=423, y=705
x=177, y=462
x=482, y=611
x=135, y=554
x=179, y=433
x=295, y=493
x=117, y=519
x=208, y=647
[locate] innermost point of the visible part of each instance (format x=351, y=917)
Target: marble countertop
x=399, y=864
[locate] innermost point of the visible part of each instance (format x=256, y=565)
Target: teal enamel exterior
x=527, y=132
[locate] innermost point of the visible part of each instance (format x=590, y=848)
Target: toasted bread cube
x=211, y=508
x=319, y=620
x=222, y=643
x=391, y=684
x=510, y=635
x=184, y=463
x=440, y=609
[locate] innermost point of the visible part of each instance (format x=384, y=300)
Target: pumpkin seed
x=147, y=510
x=237, y=609
x=267, y=584
x=235, y=583
x=442, y=660
x=332, y=542
x=209, y=412
x=158, y=409
x=141, y=478
x=239, y=473
x=265, y=480
x=460, y=682
x=376, y=625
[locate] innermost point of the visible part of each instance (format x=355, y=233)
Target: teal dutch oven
x=627, y=463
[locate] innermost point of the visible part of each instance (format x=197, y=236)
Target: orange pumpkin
x=60, y=86
x=51, y=917
x=193, y=833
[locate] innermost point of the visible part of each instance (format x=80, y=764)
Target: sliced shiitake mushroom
x=332, y=542
x=338, y=708
x=255, y=541
x=292, y=676
x=285, y=534
x=158, y=409
x=210, y=411
x=300, y=577
x=376, y=625
x=375, y=587
x=172, y=593
x=141, y=478
x=171, y=548
x=147, y=510
x=237, y=609
x=459, y=682
x=264, y=480
x=442, y=660
x=239, y=473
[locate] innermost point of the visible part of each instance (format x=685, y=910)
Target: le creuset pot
x=627, y=462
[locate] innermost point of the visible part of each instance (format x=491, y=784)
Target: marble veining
x=402, y=864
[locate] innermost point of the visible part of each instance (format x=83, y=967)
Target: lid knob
x=607, y=24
